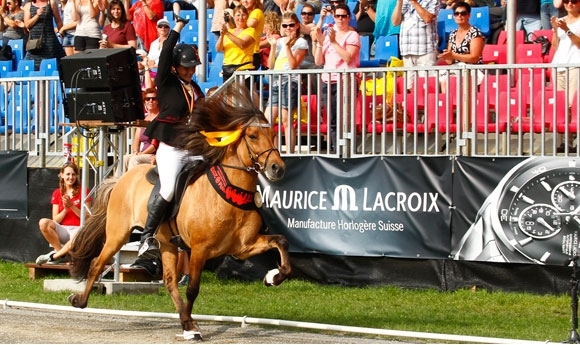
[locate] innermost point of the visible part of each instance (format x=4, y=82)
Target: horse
x=229, y=132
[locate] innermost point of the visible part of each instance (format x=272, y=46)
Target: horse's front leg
x=196, y=263
x=170, y=278
x=264, y=243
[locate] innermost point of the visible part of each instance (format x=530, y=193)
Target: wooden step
x=126, y=273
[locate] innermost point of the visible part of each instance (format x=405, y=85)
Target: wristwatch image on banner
x=532, y=216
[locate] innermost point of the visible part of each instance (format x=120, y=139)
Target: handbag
x=544, y=41
x=230, y=69
x=35, y=44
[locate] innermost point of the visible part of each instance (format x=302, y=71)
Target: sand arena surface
x=34, y=326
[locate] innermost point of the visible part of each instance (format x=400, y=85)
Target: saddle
x=188, y=175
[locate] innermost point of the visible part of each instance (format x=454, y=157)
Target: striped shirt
x=416, y=36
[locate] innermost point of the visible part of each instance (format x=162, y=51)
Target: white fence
x=515, y=110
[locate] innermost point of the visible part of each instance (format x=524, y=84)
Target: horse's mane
x=226, y=110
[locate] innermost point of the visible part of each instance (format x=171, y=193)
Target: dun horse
x=237, y=143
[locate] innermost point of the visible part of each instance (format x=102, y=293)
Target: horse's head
x=256, y=148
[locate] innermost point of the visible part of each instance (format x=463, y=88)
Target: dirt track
x=34, y=326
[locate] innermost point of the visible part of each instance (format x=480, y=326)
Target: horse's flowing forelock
x=227, y=110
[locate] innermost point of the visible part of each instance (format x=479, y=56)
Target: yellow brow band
x=220, y=139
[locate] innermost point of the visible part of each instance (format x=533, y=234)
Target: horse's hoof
x=72, y=299
x=192, y=335
x=269, y=278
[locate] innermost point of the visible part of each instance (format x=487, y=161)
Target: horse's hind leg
x=97, y=267
x=264, y=243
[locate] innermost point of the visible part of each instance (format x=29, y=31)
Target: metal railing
x=481, y=110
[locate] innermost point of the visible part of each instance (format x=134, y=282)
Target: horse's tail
x=90, y=239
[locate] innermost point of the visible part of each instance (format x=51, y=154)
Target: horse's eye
x=253, y=137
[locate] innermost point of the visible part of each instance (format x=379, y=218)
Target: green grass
x=464, y=312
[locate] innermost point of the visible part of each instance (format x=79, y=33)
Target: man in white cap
x=155, y=48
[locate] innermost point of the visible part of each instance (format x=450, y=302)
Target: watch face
x=539, y=210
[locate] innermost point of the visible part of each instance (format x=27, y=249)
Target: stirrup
x=149, y=249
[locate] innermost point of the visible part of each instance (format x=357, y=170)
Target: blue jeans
x=529, y=23
x=547, y=11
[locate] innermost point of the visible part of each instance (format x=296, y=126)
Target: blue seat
x=12, y=74
x=5, y=66
x=192, y=26
x=365, y=48
x=480, y=19
x=208, y=22
x=25, y=66
x=189, y=37
x=49, y=66
x=386, y=47
x=211, y=41
x=18, y=117
x=215, y=68
x=188, y=14
x=17, y=50
x=446, y=15
x=442, y=35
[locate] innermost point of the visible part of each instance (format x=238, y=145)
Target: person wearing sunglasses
x=155, y=47
x=566, y=42
x=418, y=38
x=237, y=45
x=338, y=48
x=465, y=44
x=142, y=148
x=306, y=25
x=286, y=54
x=13, y=22
x=327, y=14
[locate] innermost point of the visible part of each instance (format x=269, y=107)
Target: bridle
x=256, y=167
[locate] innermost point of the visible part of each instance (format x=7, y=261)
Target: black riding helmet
x=185, y=55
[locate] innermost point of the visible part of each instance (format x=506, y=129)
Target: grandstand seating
x=25, y=66
x=502, y=37
x=494, y=53
x=17, y=50
x=49, y=66
x=365, y=48
x=386, y=47
x=480, y=19
x=5, y=66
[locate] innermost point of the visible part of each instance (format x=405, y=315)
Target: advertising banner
x=396, y=207
x=13, y=184
x=524, y=210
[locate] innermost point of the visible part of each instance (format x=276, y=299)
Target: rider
x=177, y=93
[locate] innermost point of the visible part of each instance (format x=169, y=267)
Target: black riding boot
x=156, y=213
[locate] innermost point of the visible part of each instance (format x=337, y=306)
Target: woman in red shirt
x=120, y=33
x=66, y=211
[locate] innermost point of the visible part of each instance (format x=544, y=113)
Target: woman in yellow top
x=237, y=44
x=256, y=20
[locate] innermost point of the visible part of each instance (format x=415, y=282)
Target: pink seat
x=494, y=53
x=502, y=38
x=485, y=123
